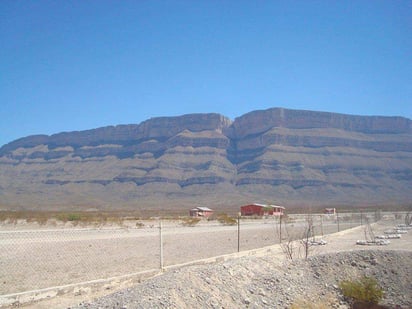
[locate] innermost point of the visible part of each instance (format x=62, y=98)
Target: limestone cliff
x=277, y=155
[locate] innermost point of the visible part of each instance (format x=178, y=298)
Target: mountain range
x=279, y=156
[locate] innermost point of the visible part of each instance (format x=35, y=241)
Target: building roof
x=276, y=206
x=264, y=205
x=257, y=204
x=203, y=208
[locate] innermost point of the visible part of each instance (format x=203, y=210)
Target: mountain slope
x=277, y=155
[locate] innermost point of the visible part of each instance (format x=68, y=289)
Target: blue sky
x=75, y=65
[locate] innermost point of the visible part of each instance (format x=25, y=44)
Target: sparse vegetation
x=308, y=232
x=190, y=221
x=297, y=242
x=75, y=218
x=41, y=220
x=226, y=220
x=289, y=244
x=365, y=291
x=139, y=225
x=290, y=248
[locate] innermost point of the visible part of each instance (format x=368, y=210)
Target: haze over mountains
x=280, y=156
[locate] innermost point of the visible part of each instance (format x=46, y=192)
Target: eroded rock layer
x=279, y=156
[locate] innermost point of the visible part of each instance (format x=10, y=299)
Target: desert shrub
x=41, y=220
x=73, y=217
x=363, y=291
x=226, y=220
x=139, y=225
x=191, y=221
x=68, y=217
x=114, y=220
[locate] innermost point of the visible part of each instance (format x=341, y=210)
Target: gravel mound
x=266, y=282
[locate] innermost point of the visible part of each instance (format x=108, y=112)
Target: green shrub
x=68, y=217
x=73, y=217
x=365, y=290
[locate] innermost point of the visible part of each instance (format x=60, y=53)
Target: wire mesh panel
x=32, y=259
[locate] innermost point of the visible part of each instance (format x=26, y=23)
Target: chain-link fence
x=32, y=259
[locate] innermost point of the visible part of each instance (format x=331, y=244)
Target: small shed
x=256, y=209
x=201, y=212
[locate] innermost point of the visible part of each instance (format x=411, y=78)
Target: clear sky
x=75, y=65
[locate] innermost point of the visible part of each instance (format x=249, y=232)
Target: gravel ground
x=271, y=281
x=253, y=282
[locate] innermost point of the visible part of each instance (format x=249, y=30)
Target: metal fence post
x=280, y=229
x=321, y=224
x=238, y=232
x=361, y=217
x=161, y=244
x=337, y=219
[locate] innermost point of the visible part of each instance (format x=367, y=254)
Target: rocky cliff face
x=277, y=155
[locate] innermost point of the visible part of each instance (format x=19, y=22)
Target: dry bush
x=226, y=220
x=291, y=249
x=139, y=225
x=290, y=246
x=307, y=233
x=80, y=217
x=190, y=221
x=297, y=240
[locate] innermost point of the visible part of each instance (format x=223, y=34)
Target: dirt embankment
x=262, y=282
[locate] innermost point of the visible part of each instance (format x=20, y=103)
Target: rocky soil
x=266, y=282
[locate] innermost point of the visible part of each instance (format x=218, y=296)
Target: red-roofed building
x=256, y=209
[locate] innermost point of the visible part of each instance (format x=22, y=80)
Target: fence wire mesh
x=44, y=257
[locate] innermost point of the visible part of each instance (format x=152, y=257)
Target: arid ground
x=35, y=257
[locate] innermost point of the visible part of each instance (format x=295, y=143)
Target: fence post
x=280, y=229
x=337, y=219
x=361, y=217
x=161, y=244
x=238, y=232
x=321, y=224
